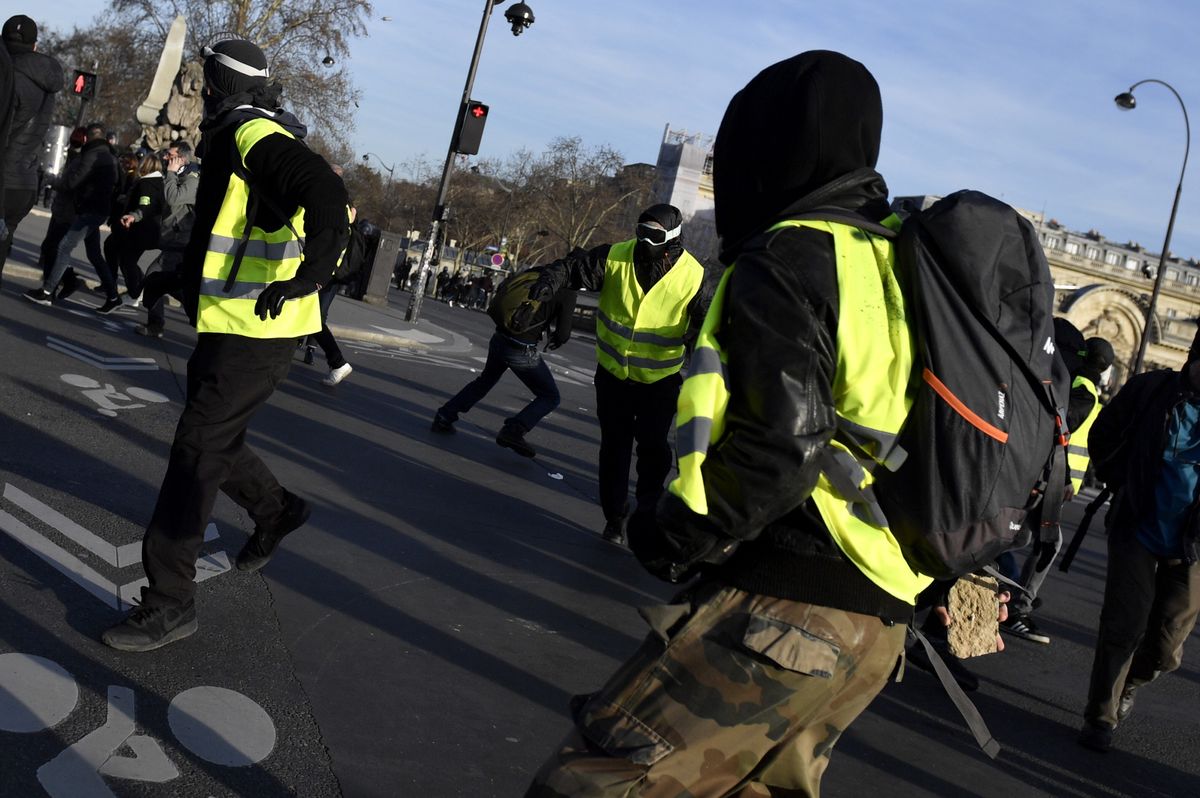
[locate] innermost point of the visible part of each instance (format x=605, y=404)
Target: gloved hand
x=671, y=557
x=271, y=300
x=555, y=342
x=522, y=317
x=540, y=292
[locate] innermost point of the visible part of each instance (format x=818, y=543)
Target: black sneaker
x=442, y=424
x=151, y=626
x=148, y=331
x=262, y=544
x=1023, y=626
x=512, y=436
x=1096, y=736
x=39, y=296
x=109, y=306
x=70, y=284
x=1125, y=705
x=614, y=532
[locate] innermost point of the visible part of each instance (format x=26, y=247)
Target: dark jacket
x=6, y=96
x=552, y=320
x=90, y=177
x=1126, y=446
x=287, y=173
x=36, y=79
x=146, y=204
x=802, y=137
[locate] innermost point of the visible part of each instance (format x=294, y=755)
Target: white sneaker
x=338, y=374
x=131, y=301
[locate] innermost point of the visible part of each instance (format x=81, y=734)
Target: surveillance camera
x=520, y=16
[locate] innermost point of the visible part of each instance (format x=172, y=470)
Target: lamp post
x=1125, y=100
x=389, y=169
x=520, y=17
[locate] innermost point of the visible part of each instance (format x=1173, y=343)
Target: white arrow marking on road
x=75, y=773
x=84, y=575
x=101, y=361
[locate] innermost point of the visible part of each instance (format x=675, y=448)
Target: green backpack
x=511, y=294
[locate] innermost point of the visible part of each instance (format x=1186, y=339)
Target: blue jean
x=84, y=226
x=504, y=353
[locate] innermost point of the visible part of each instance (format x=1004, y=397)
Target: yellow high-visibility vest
x=639, y=334
x=270, y=256
x=1077, y=452
x=871, y=394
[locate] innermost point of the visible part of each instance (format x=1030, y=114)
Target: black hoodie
x=36, y=79
x=780, y=331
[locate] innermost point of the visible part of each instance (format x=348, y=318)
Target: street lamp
x=520, y=17
x=1126, y=101
x=389, y=169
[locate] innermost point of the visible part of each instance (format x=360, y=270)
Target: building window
x=1172, y=313
x=1052, y=243
x=1072, y=247
x=1132, y=263
x=1172, y=274
x=1093, y=253
x=1112, y=258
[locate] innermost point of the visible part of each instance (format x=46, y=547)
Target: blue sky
x=1014, y=99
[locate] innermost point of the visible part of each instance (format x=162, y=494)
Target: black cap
x=20, y=28
x=1100, y=354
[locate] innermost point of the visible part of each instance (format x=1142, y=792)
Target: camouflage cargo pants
x=732, y=694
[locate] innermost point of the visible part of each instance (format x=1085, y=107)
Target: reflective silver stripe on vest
x=634, y=335
x=212, y=286
x=693, y=436
x=885, y=449
x=844, y=474
x=264, y=250
x=637, y=362
x=705, y=360
x=1079, y=450
x=1077, y=474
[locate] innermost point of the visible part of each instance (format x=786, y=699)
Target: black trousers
x=229, y=378
x=633, y=411
x=17, y=204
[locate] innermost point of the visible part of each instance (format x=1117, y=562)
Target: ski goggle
x=654, y=233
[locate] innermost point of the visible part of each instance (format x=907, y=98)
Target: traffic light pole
x=439, y=207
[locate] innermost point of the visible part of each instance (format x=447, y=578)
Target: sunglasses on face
x=655, y=234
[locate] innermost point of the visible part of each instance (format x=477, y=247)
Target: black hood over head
x=812, y=120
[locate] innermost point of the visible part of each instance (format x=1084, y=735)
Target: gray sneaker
x=151, y=626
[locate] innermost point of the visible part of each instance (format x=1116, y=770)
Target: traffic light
x=470, y=128
x=84, y=85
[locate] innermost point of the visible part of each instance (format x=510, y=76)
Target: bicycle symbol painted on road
x=108, y=399
x=218, y=725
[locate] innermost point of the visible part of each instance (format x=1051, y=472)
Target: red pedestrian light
x=84, y=85
x=470, y=128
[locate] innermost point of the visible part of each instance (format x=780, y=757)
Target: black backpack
x=985, y=438
x=510, y=295
x=352, y=258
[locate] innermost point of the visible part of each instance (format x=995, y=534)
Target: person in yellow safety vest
x=796, y=617
x=270, y=225
x=653, y=297
x=1086, y=361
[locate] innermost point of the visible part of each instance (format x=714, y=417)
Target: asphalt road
x=423, y=635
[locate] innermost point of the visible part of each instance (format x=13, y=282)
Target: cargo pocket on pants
x=791, y=647
x=620, y=734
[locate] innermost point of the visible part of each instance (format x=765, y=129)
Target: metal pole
x=1162, y=258
x=439, y=207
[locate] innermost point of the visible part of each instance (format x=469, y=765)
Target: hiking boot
x=1125, y=705
x=151, y=626
x=1023, y=626
x=38, y=295
x=148, y=331
x=963, y=676
x=512, y=436
x=337, y=375
x=1096, y=736
x=262, y=544
x=442, y=424
x=109, y=306
x=614, y=532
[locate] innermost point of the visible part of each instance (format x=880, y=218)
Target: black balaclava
x=797, y=126
x=1068, y=340
x=236, y=73
x=651, y=261
x=1100, y=356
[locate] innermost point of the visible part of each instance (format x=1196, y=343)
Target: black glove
x=555, y=342
x=669, y=556
x=522, y=318
x=271, y=300
x=540, y=292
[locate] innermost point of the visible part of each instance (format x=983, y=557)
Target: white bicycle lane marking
x=216, y=724
x=108, y=399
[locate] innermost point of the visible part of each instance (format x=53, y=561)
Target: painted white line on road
x=48, y=515
x=62, y=560
x=207, y=566
x=35, y=693
x=221, y=726
x=75, y=773
x=101, y=361
x=131, y=553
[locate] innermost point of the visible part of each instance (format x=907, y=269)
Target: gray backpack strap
x=983, y=736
